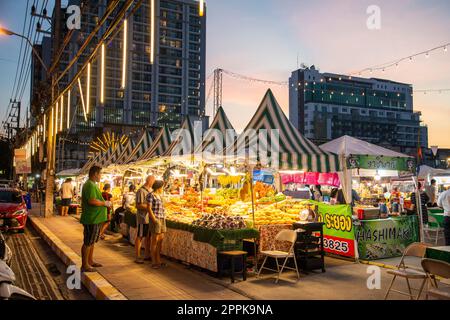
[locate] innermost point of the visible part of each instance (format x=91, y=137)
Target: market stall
x=381, y=229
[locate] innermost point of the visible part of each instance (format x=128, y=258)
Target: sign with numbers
x=338, y=229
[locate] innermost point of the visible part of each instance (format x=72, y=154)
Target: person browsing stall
x=157, y=214
x=106, y=194
x=129, y=198
x=66, y=196
x=93, y=216
x=143, y=220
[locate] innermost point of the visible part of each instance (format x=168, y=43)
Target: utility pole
x=51, y=139
x=218, y=77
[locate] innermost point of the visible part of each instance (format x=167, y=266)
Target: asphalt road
x=38, y=270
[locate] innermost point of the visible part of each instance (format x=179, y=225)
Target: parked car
x=13, y=209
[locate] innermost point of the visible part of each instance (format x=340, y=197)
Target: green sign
x=386, y=238
x=338, y=229
x=381, y=163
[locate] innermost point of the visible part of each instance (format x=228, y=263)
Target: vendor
x=176, y=186
x=129, y=198
x=395, y=201
x=423, y=201
x=431, y=191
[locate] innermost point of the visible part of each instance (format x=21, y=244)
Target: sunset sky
x=262, y=38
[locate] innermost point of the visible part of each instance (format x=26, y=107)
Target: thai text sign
x=381, y=163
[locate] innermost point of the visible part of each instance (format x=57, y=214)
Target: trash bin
x=27, y=198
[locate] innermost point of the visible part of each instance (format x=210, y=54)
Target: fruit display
x=263, y=190
x=220, y=222
x=273, y=199
x=226, y=181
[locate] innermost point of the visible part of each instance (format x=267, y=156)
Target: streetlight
x=7, y=32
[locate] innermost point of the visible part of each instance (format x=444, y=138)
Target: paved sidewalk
x=139, y=282
x=343, y=280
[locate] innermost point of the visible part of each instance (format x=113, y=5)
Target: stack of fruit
x=220, y=222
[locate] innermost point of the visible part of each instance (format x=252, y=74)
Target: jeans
x=447, y=230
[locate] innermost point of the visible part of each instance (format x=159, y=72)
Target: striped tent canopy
x=220, y=123
x=142, y=145
x=159, y=146
x=126, y=153
x=295, y=152
x=105, y=161
x=90, y=163
x=178, y=141
x=116, y=154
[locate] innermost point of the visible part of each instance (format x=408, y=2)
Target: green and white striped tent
x=178, y=142
x=90, y=163
x=126, y=153
x=295, y=152
x=222, y=124
x=105, y=160
x=159, y=146
x=143, y=144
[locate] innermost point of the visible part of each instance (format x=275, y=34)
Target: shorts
x=91, y=234
x=143, y=230
x=158, y=227
x=66, y=202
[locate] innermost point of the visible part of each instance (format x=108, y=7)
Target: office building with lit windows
x=154, y=94
x=326, y=106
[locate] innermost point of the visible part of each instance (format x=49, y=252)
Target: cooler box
x=368, y=213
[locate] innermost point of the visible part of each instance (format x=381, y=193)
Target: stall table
x=439, y=253
x=196, y=245
x=437, y=213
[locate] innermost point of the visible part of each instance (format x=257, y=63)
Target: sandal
x=139, y=261
x=90, y=269
x=156, y=266
x=97, y=265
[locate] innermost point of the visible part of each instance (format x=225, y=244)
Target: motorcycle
x=8, y=291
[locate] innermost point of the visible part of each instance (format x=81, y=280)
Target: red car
x=13, y=210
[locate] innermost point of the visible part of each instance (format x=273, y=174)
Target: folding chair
x=413, y=250
x=436, y=228
x=283, y=235
x=433, y=269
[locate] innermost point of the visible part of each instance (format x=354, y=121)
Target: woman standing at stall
x=108, y=197
x=155, y=207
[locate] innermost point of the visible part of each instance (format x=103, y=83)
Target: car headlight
x=20, y=212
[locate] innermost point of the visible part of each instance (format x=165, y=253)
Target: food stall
x=381, y=228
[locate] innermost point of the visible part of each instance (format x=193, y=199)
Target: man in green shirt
x=93, y=216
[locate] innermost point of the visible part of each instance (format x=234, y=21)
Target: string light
x=62, y=113
x=152, y=31
x=125, y=49
x=82, y=99
x=201, y=8
x=68, y=109
x=88, y=88
x=102, y=78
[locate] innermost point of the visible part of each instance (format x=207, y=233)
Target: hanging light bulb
x=427, y=55
x=88, y=88
x=377, y=176
x=445, y=49
x=68, y=109
x=125, y=45
x=201, y=8
x=102, y=76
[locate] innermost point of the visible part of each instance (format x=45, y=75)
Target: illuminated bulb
x=125, y=45
x=445, y=49
x=377, y=177
x=88, y=88
x=201, y=9
x=427, y=55
x=68, y=109
x=102, y=76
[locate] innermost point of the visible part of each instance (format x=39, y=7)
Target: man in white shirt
x=66, y=196
x=431, y=191
x=444, y=202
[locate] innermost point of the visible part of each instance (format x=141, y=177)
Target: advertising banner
x=21, y=161
x=338, y=229
x=386, y=238
x=381, y=163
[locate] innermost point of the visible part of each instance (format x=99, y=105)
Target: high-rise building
x=325, y=106
x=148, y=94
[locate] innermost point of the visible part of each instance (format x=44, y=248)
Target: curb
x=97, y=285
x=381, y=265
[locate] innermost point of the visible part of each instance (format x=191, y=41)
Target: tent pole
x=250, y=173
x=419, y=208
